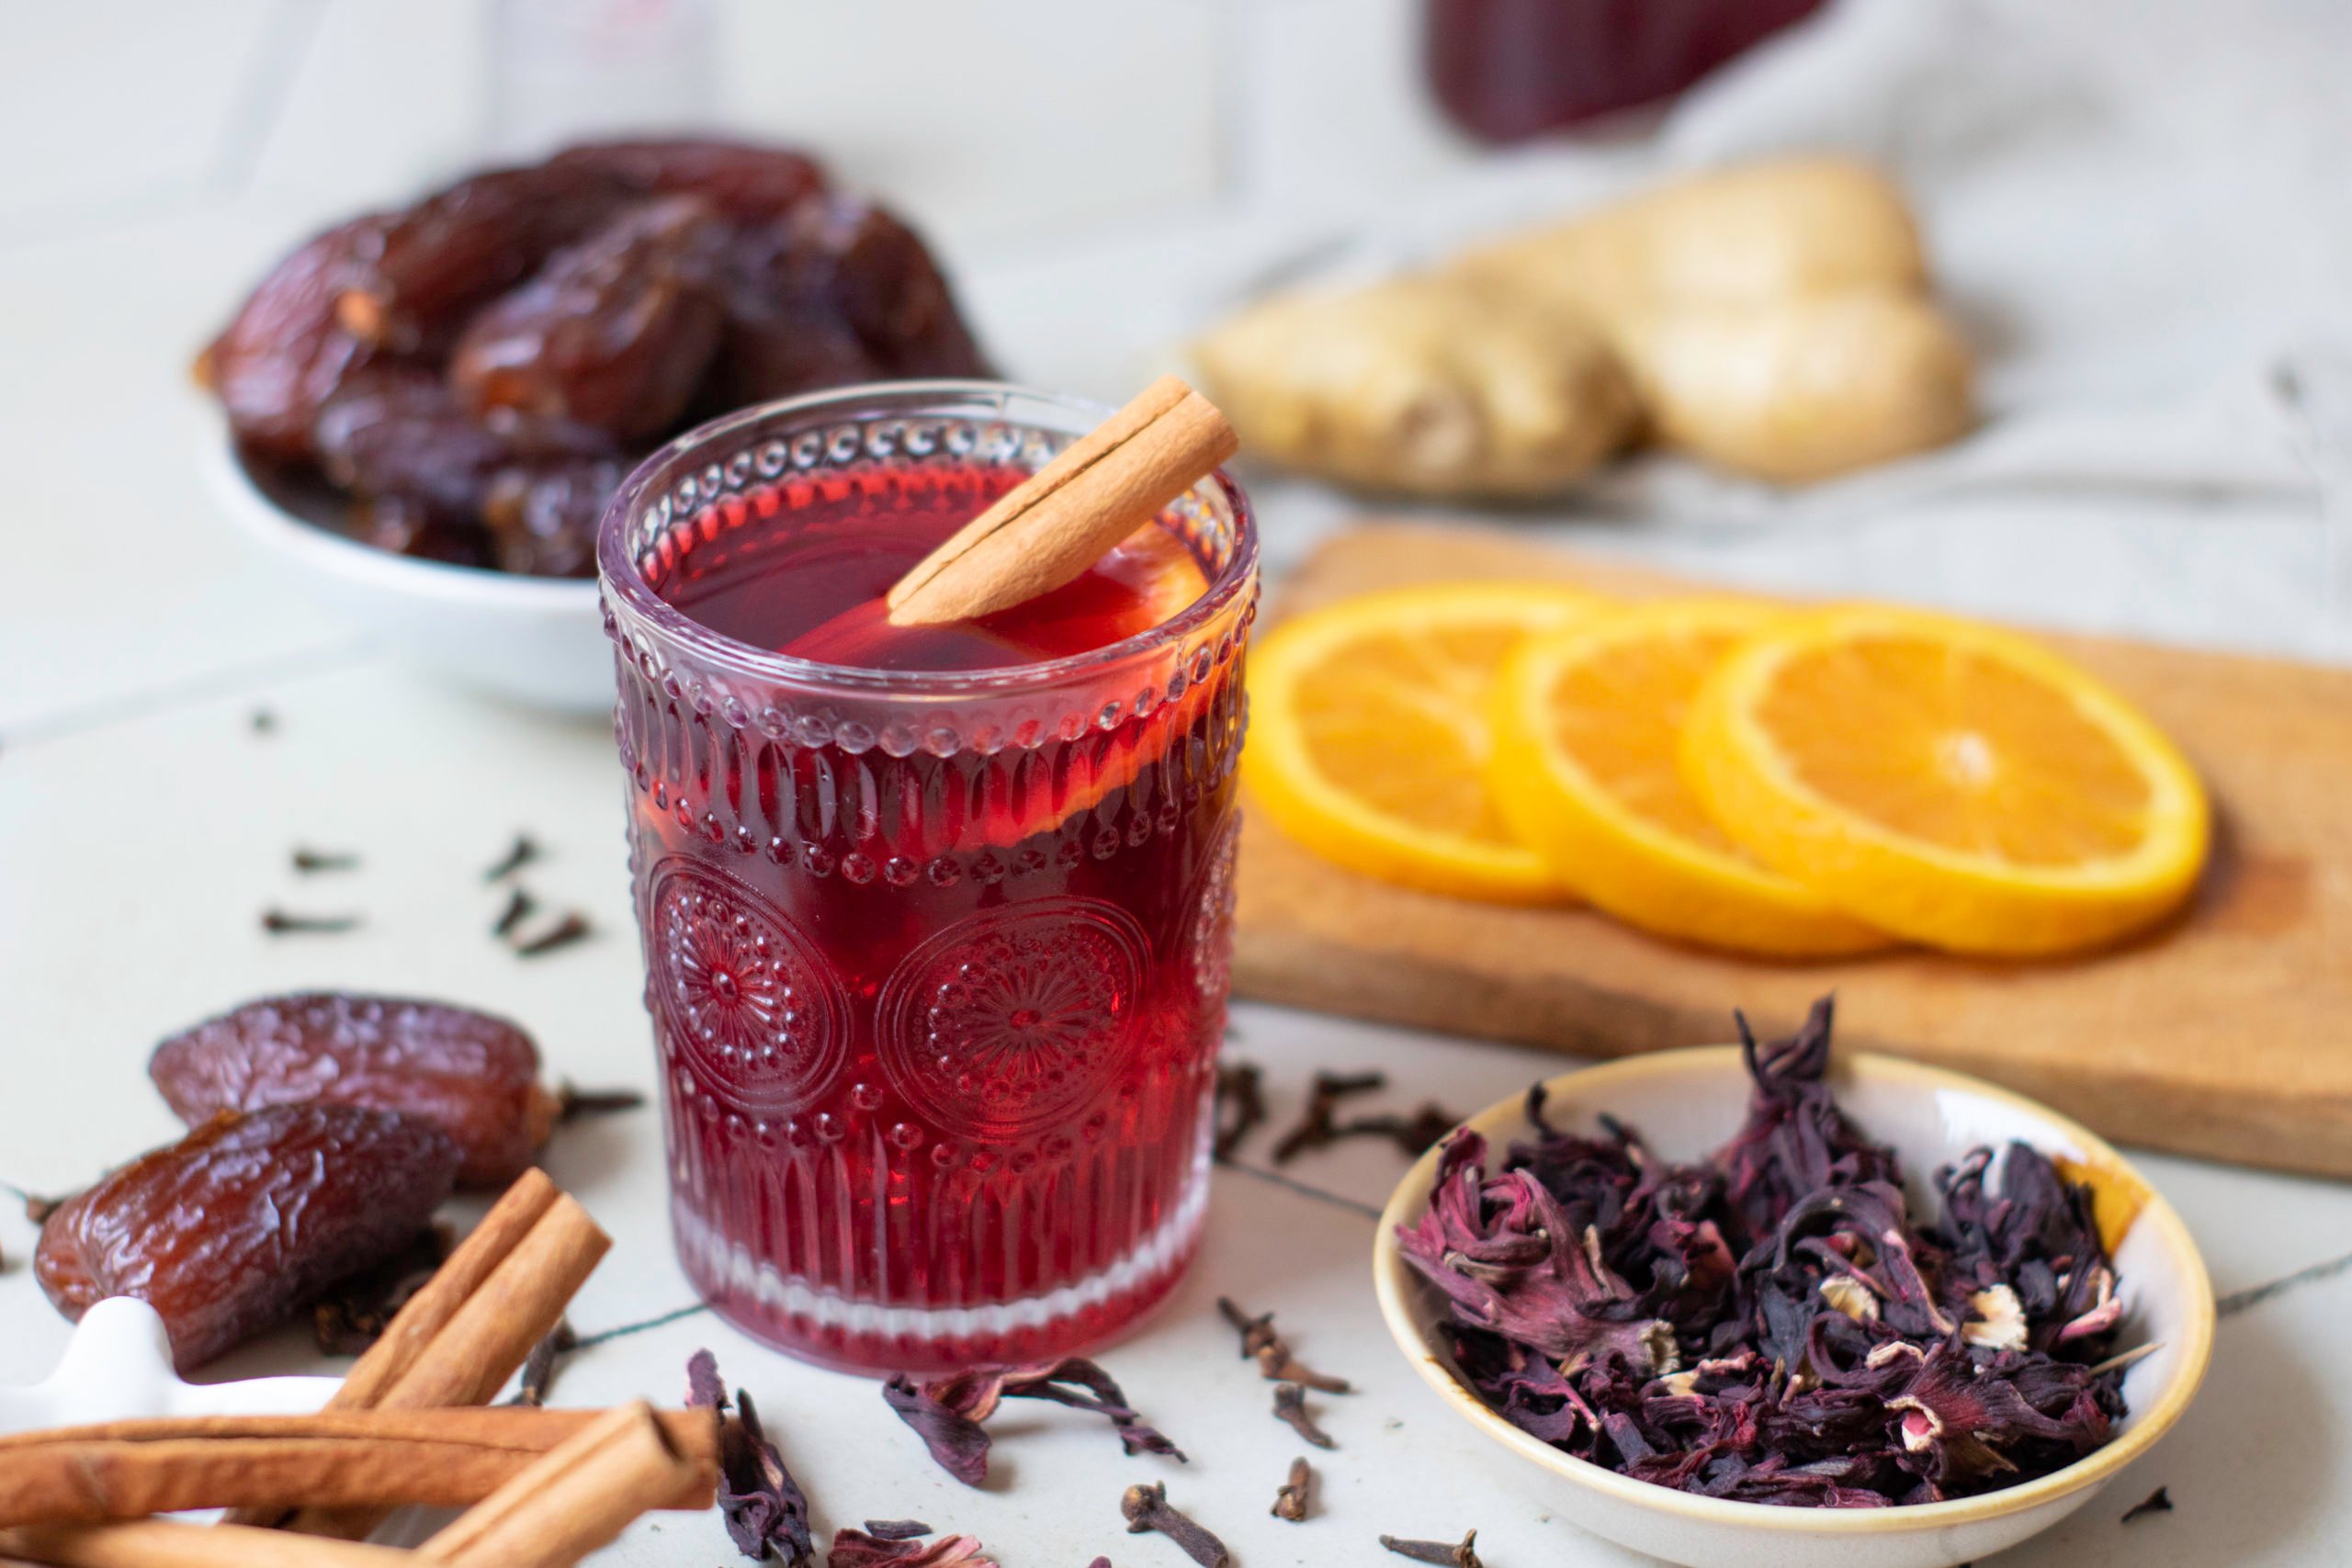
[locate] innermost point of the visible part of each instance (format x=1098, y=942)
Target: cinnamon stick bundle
x=1049, y=529
x=126, y=1470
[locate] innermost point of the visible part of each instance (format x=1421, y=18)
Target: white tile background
x=1102, y=172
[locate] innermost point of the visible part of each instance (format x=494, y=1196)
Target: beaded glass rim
x=772, y=441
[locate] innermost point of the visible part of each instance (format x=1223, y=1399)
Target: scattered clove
x=947, y=1412
x=2156, y=1502
x=766, y=1512
x=1241, y=1105
x=1461, y=1555
x=895, y=1530
x=277, y=922
x=1146, y=1509
x=1415, y=1134
x=1275, y=1362
x=1293, y=1497
x=308, y=861
x=1290, y=1405
x=523, y=850
x=538, y=1368
x=520, y=906
x=573, y=927
x=1317, y=1125
x=355, y=1311
x=262, y=722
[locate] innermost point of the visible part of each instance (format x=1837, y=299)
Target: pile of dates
x=478, y=371
x=324, y=1131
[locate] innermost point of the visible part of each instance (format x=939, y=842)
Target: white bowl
x=1687, y=1102
x=534, y=640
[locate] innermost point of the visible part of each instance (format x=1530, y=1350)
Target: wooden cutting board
x=2227, y=1033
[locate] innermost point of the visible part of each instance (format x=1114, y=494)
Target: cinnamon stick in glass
x=1049, y=528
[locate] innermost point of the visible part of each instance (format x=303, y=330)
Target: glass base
x=879, y=1339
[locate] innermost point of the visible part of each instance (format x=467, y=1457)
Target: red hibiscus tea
x=936, y=920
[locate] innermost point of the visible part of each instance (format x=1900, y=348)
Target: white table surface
x=144, y=823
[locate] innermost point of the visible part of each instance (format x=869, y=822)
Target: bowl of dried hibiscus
x=1755, y=1307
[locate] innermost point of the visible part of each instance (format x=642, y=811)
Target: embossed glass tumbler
x=936, y=961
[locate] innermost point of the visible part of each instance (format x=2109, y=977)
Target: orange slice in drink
x=1949, y=782
x=1589, y=727
x=1370, y=734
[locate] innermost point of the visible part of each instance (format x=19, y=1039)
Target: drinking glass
x=937, y=963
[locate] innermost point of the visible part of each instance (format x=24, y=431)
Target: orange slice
x=1949, y=782
x=1589, y=727
x=1369, y=736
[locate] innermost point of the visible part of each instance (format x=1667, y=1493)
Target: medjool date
x=542, y=516
x=471, y=1075
x=614, y=332
x=425, y=270
x=232, y=1228
x=284, y=352
x=738, y=179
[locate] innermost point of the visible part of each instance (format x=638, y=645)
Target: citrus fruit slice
x=1369, y=736
x=1951, y=782
x=1589, y=725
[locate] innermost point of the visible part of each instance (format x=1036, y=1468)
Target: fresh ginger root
x=1774, y=320
x=1422, y=386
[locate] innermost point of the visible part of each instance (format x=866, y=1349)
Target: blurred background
x=2135, y=210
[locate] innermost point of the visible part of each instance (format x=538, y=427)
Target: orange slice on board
x=1370, y=733
x=1949, y=782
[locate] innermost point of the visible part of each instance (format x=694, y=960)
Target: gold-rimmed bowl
x=1687, y=1102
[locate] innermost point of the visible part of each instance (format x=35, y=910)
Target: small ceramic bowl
x=1688, y=1102
x=534, y=640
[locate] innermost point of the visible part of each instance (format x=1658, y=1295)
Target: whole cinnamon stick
x=126, y=1470
x=167, y=1543
x=428, y=1312
x=488, y=1338
x=1049, y=528
x=575, y=1499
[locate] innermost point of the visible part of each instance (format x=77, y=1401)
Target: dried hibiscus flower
x=947, y=1412
x=766, y=1512
x=1772, y=1323
x=870, y=1547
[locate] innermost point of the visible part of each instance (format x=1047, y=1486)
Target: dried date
x=738, y=179
x=425, y=269
x=614, y=332
x=232, y=1228
x=284, y=354
x=474, y=1076
x=542, y=517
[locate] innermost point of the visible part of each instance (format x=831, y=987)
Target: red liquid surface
x=938, y=1012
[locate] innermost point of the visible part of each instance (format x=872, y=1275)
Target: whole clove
x=1147, y=1510
x=538, y=1368
x=1275, y=1362
x=1294, y=1495
x=766, y=1512
x=573, y=927
x=1290, y=1405
x=2156, y=1502
x=521, y=852
x=356, y=1311
x=1317, y=1126
x=308, y=861
x=520, y=906
x=947, y=1412
x=278, y=923
x=1457, y=1555
x=1415, y=1135
x=1241, y=1105
x=263, y=721
x=895, y=1530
